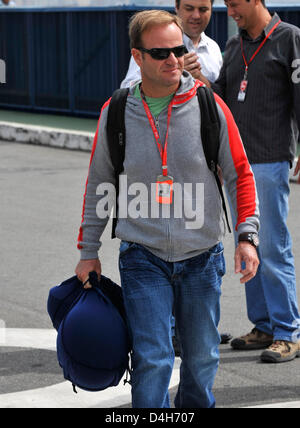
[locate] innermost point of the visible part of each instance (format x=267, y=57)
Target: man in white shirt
x=7, y=3
x=204, y=58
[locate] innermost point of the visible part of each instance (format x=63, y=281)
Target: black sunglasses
x=164, y=53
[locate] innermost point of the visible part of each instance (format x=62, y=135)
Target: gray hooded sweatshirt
x=194, y=222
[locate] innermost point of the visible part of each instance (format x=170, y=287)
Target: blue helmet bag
x=92, y=343
x=62, y=298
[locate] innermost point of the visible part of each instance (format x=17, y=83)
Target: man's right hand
x=192, y=65
x=84, y=268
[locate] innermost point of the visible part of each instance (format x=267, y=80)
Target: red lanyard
x=259, y=47
x=163, y=151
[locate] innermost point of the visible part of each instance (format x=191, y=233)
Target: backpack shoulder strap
x=210, y=126
x=116, y=135
x=210, y=134
x=116, y=132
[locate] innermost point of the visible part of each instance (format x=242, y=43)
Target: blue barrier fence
x=71, y=60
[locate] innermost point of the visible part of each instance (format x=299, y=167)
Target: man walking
x=170, y=260
x=257, y=82
x=204, y=58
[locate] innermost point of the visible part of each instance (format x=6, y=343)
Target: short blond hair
x=147, y=19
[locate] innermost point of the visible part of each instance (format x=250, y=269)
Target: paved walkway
x=60, y=395
x=49, y=130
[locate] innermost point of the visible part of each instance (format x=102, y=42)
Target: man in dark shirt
x=260, y=83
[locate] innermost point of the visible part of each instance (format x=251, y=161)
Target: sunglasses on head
x=164, y=53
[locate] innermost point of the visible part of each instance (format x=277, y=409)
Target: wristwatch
x=252, y=238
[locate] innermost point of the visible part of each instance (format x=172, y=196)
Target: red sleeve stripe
x=80, y=236
x=246, y=193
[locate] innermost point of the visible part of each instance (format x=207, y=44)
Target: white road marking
x=287, y=405
x=30, y=338
x=62, y=395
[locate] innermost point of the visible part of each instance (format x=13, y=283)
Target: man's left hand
x=246, y=252
x=297, y=170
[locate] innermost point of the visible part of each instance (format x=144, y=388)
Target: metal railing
x=71, y=60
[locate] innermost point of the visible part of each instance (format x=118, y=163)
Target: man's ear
x=137, y=55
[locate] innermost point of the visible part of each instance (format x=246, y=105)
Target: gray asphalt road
x=41, y=202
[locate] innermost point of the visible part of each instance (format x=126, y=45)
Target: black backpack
x=210, y=132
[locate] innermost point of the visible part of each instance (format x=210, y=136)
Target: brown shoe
x=254, y=340
x=281, y=351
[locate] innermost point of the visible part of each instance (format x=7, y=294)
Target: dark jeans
x=191, y=289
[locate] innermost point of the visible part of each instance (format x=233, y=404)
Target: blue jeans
x=152, y=290
x=271, y=294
